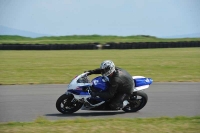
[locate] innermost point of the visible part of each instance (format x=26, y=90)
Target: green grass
x=78, y=39
x=58, y=67
x=117, y=125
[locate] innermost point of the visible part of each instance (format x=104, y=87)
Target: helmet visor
x=105, y=71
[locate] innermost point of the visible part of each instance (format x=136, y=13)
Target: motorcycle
x=78, y=95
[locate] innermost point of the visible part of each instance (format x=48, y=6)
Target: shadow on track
x=86, y=114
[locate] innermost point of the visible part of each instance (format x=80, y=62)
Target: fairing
x=99, y=83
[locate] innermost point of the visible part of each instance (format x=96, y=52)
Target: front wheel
x=66, y=104
x=136, y=102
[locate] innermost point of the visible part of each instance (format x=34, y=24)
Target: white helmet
x=107, y=67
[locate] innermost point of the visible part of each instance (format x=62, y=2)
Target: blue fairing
x=78, y=92
x=99, y=83
x=142, y=81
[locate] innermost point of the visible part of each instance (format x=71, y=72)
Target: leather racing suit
x=120, y=88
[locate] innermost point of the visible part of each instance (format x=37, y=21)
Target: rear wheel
x=136, y=102
x=66, y=104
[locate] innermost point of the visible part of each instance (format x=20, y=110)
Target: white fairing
x=75, y=85
x=140, y=87
x=78, y=97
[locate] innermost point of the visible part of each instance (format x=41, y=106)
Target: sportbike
x=78, y=95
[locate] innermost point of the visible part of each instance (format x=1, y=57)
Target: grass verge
x=58, y=67
x=117, y=125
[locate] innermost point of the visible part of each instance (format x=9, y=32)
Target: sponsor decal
x=147, y=80
x=95, y=82
x=78, y=88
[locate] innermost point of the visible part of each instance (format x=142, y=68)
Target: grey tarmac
x=24, y=103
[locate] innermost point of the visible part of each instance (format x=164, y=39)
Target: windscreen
x=83, y=80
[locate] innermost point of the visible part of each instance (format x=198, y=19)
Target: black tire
x=136, y=102
x=65, y=105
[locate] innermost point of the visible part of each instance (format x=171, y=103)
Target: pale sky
x=103, y=17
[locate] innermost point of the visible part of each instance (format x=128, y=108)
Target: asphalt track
x=28, y=102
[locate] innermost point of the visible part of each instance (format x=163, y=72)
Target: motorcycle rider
x=121, y=84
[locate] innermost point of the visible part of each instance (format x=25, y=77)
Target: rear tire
x=136, y=102
x=66, y=105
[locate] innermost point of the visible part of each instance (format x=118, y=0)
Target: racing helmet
x=107, y=67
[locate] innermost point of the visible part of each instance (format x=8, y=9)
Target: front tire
x=66, y=104
x=136, y=102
